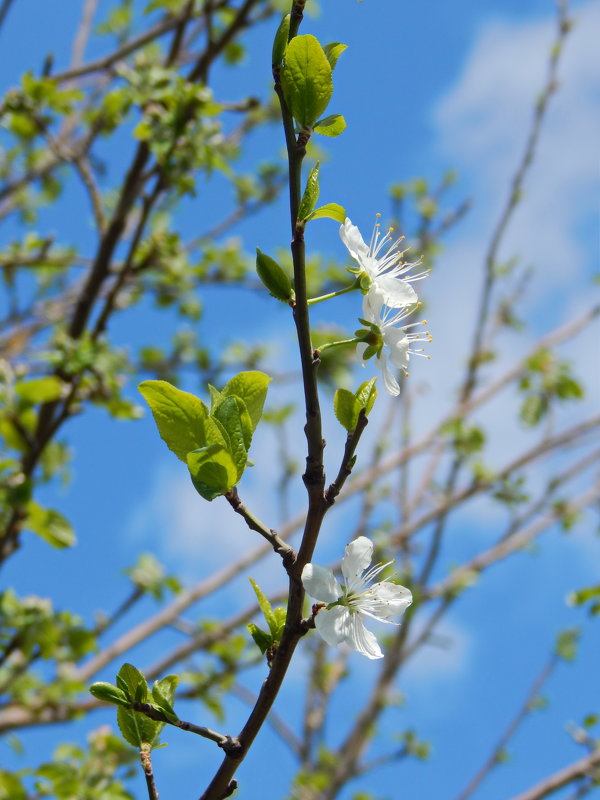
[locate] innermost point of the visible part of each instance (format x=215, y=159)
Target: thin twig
x=282, y=549
x=4, y=9
x=146, y=759
x=500, y=746
x=579, y=769
x=511, y=544
x=83, y=33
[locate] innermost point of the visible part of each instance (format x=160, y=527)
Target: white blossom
x=346, y=605
x=396, y=345
x=387, y=271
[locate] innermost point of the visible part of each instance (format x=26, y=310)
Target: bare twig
x=579, y=769
x=4, y=9
x=513, y=543
x=500, y=746
x=83, y=33
x=146, y=759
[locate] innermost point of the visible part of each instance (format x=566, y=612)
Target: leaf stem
x=351, y=288
x=339, y=343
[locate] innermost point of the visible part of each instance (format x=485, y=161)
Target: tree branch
x=579, y=769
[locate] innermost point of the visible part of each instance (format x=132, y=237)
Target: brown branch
x=287, y=553
x=507, y=735
x=543, y=448
x=511, y=544
x=83, y=32
x=146, y=759
x=279, y=725
x=579, y=769
x=4, y=9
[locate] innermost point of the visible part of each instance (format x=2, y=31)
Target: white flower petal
x=360, y=351
x=353, y=240
x=357, y=557
x=394, y=292
x=372, y=305
x=320, y=583
x=362, y=639
x=384, y=600
x=399, y=352
x=333, y=624
x=389, y=379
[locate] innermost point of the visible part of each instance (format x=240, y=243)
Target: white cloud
x=483, y=121
x=445, y=656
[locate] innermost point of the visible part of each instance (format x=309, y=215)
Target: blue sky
x=424, y=88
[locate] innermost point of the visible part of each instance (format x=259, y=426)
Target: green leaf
x=228, y=413
x=163, y=693
x=262, y=638
x=280, y=615
x=251, y=387
x=273, y=277
x=50, y=526
x=330, y=211
x=215, y=397
x=366, y=394
x=566, y=644
x=131, y=681
x=346, y=408
x=265, y=607
x=213, y=471
x=180, y=416
x=306, y=79
x=39, y=390
x=331, y=126
x=280, y=41
x=109, y=693
x=136, y=728
x=333, y=51
x=311, y=194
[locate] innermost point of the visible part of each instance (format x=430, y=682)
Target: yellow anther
x=423, y=322
x=378, y=214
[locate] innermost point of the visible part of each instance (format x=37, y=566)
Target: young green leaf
x=331, y=126
x=333, y=51
x=346, y=408
x=136, y=728
x=306, y=79
x=280, y=41
x=262, y=638
x=50, y=526
x=265, y=606
x=228, y=413
x=273, y=277
x=163, y=693
x=366, y=395
x=311, y=194
x=179, y=416
x=330, y=211
x=131, y=681
x=213, y=471
x=109, y=693
x=251, y=387
x=39, y=390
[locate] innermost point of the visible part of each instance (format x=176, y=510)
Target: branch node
x=233, y=748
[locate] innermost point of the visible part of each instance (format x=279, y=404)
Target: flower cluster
x=340, y=617
x=390, y=298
